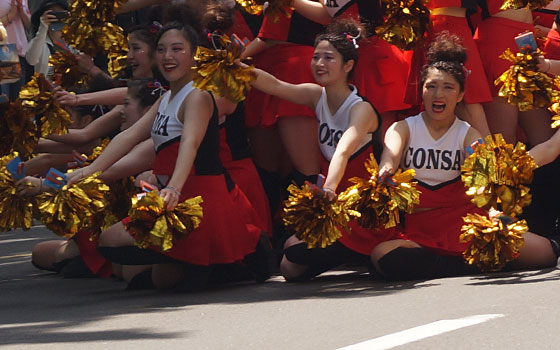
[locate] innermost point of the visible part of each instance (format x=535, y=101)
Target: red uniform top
x=295, y=29
x=246, y=25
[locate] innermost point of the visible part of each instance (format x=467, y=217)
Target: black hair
x=343, y=35
x=218, y=16
x=186, y=19
x=147, y=34
x=146, y=91
x=44, y=6
x=447, y=54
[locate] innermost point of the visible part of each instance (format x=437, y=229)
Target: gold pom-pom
x=523, y=84
x=15, y=211
x=119, y=201
x=65, y=65
x=153, y=225
x=314, y=218
x=405, y=23
x=216, y=70
x=498, y=174
x=73, y=208
x=38, y=98
x=377, y=202
x=555, y=106
x=18, y=132
x=520, y=4
x=492, y=242
x=272, y=8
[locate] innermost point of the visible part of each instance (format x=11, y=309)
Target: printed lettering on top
x=334, y=6
x=331, y=3
x=420, y=158
x=160, y=124
x=328, y=135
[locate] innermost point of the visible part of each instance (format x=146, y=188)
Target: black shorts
x=320, y=260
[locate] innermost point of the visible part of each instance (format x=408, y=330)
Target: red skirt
x=476, y=84
x=96, y=263
x=287, y=62
x=493, y=36
x=438, y=229
x=380, y=75
x=357, y=238
x=552, y=45
x=228, y=230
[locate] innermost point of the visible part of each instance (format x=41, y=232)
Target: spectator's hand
x=47, y=18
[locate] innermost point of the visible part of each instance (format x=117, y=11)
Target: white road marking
x=417, y=333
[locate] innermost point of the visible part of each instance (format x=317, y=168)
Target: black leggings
x=319, y=260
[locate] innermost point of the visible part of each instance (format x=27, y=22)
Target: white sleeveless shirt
x=331, y=127
x=435, y=161
x=167, y=126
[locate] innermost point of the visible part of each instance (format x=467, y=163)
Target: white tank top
x=435, y=161
x=331, y=127
x=333, y=6
x=167, y=126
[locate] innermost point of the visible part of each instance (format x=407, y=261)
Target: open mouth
x=169, y=67
x=438, y=107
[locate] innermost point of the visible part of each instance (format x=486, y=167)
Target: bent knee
x=291, y=271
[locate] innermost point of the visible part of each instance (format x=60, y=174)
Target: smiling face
x=327, y=64
x=139, y=58
x=174, y=55
x=441, y=92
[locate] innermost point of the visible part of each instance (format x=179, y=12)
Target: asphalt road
x=341, y=309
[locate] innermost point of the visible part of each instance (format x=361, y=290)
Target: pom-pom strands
x=555, y=107
x=73, y=208
x=216, y=70
x=15, y=211
x=272, y=8
x=405, y=23
x=498, y=174
x=65, y=64
x=152, y=225
x=18, y=132
x=492, y=243
x=314, y=218
x=119, y=201
x=38, y=98
x=523, y=84
x=377, y=202
x=520, y=4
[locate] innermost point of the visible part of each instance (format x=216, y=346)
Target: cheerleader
x=433, y=143
x=183, y=125
x=493, y=36
x=381, y=73
x=348, y=128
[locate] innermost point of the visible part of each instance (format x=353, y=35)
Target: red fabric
x=240, y=27
x=96, y=263
x=434, y=4
x=476, y=84
x=229, y=229
x=544, y=19
x=287, y=62
x=494, y=6
x=493, y=36
x=276, y=28
x=359, y=239
x=438, y=229
x=552, y=45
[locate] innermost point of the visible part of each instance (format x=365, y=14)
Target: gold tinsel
x=314, y=218
x=377, y=202
x=272, y=8
x=492, y=243
x=73, y=208
x=89, y=30
x=216, y=70
x=153, y=225
x=498, y=174
x=66, y=66
x=555, y=106
x=119, y=201
x=37, y=97
x=405, y=23
x=18, y=132
x=520, y=4
x=523, y=85
x=15, y=211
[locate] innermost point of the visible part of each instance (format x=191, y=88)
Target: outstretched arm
x=111, y=97
x=314, y=11
x=362, y=121
x=547, y=151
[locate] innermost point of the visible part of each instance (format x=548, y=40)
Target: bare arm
x=195, y=123
x=139, y=159
x=120, y=145
x=362, y=121
x=396, y=139
x=50, y=146
x=254, y=47
x=111, y=97
x=471, y=136
x=312, y=10
x=547, y=151
x=304, y=94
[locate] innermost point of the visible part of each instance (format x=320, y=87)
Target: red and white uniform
x=224, y=235
x=438, y=170
x=331, y=128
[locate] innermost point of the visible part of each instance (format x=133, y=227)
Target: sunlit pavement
x=341, y=309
